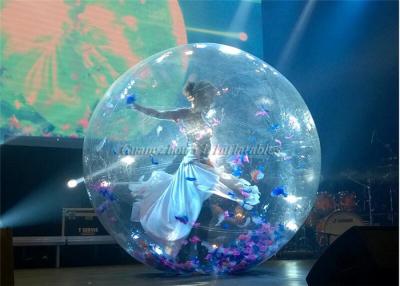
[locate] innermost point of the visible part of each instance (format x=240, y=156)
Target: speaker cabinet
x=363, y=255
x=6, y=257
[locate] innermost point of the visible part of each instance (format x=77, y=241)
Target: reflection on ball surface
x=202, y=158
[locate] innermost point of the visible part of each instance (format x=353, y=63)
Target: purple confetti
x=196, y=224
x=262, y=112
x=194, y=239
x=215, y=122
x=249, y=249
x=237, y=160
x=226, y=214
x=245, y=194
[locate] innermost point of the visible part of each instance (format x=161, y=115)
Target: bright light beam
x=127, y=160
x=240, y=19
x=234, y=35
x=40, y=206
x=296, y=34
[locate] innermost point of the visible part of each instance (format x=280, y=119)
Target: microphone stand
x=367, y=187
x=392, y=156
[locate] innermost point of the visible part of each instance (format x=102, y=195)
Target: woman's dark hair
x=203, y=92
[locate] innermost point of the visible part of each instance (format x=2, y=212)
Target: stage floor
x=271, y=273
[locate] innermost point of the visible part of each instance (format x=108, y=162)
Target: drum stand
x=369, y=203
x=391, y=163
x=367, y=188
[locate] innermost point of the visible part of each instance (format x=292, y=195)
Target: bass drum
x=335, y=225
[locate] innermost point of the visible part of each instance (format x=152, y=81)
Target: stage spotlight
x=243, y=36
x=72, y=183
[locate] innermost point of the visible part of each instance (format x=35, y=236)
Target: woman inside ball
x=169, y=205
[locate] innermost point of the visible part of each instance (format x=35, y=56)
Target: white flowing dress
x=167, y=199
x=169, y=205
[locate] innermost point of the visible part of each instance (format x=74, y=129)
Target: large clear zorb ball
x=202, y=158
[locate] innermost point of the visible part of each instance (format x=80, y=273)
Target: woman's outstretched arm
x=167, y=115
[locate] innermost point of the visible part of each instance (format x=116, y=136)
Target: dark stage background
x=344, y=62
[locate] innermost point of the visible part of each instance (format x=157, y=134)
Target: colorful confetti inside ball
x=202, y=158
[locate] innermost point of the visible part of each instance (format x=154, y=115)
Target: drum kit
x=335, y=212
x=332, y=216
